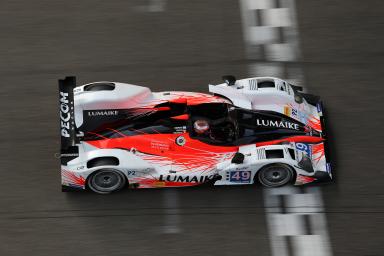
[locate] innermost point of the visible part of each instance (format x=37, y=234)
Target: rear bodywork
x=148, y=136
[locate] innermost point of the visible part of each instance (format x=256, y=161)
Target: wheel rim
x=106, y=181
x=275, y=175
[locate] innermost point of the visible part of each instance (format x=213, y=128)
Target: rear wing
x=68, y=147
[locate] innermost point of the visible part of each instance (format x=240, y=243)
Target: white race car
x=257, y=130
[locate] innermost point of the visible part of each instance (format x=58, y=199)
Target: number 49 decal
x=240, y=176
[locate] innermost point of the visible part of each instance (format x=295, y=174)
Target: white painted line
x=305, y=203
x=278, y=17
x=293, y=36
x=273, y=19
x=291, y=222
x=313, y=245
x=171, y=212
x=287, y=190
x=287, y=224
x=259, y=4
x=278, y=242
x=280, y=52
x=262, y=35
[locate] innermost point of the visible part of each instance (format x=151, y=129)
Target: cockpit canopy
x=230, y=125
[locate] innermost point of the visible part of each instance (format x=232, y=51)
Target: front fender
x=76, y=171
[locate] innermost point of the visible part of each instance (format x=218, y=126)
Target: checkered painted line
x=271, y=38
x=296, y=222
x=270, y=30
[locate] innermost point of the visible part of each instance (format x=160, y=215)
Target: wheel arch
x=103, y=160
x=110, y=161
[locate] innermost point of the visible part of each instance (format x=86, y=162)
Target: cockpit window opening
x=266, y=84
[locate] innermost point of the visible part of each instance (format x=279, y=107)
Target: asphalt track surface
x=181, y=46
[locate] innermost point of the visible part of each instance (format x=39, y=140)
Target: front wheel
x=275, y=175
x=105, y=181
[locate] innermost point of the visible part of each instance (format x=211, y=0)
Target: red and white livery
x=258, y=130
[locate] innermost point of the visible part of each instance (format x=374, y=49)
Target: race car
x=259, y=130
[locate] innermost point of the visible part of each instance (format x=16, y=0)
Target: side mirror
x=298, y=98
x=229, y=80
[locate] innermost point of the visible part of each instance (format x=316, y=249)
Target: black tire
x=105, y=181
x=275, y=175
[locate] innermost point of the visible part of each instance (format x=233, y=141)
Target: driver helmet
x=201, y=126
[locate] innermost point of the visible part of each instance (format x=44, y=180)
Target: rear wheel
x=105, y=181
x=275, y=175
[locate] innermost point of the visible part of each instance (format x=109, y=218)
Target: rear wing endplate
x=68, y=148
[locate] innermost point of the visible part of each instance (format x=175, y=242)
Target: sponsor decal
x=103, y=113
x=240, y=176
x=159, y=145
x=289, y=111
x=277, y=124
x=180, y=141
x=294, y=112
x=306, y=148
x=65, y=115
x=180, y=129
x=181, y=178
